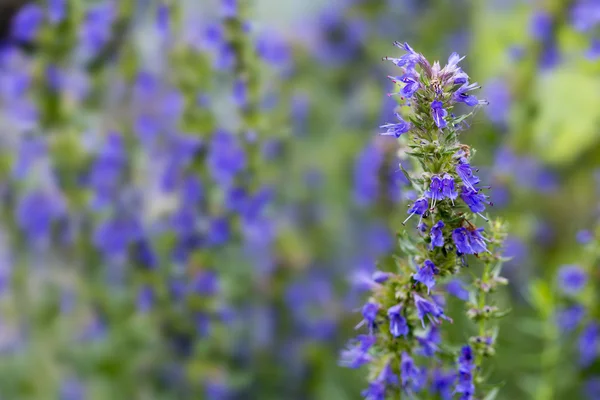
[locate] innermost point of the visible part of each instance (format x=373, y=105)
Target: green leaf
x=541, y=297
x=492, y=394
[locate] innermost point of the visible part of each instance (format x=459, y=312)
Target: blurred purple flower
x=226, y=158
x=366, y=175
x=589, y=344
x=569, y=318
x=27, y=22
x=96, y=29
x=35, y=213
x=571, y=279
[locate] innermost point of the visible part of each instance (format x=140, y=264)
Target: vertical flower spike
x=448, y=198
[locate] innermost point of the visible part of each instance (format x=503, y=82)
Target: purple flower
x=96, y=28
x=369, y=313
x=398, y=324
x=57, y=11
x=592, y=388
x=465, y=173
x=437, y=235
x=589, y=344
x=411, y=83
x=162, y=19
x=585, y=15
x=443, y=384
x=219, y=231
x=408, y=60
x=498, y=94
x=387, y=375
x=448, y=190
x=229, y=8
x=145, y=299
x=438, y=113
x=461, y=239
x=357, y=353
x=466, y=365
x=105, y=174
x=35, y=213
x=593, y=52
x=408, y=371
x=429, y=342
x=569, y=318
x=273, y=49
x=585, y=236
x=571, y=279
x=240, y=93
x=474, y=199
x=461, y=96
x=456, y=289
x=380, y=276
x=226, y=158
x=469, y=241
x=541, y=25
x=366, y=175
x=27, y=23
x=466, y=359
x=429, y=309
x=375, y=391
x=113, y=236
x=419, y=207
x=396, y=129
x=425, y=274
x=205, y=283
x=72, y=389
x=435, y=190
x=477, y=241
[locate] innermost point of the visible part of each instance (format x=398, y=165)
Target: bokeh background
x=194, y=191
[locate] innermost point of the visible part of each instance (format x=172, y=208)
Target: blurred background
x=194, y=191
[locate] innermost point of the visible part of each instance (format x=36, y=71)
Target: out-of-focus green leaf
x=567, y=123
x=541, y=297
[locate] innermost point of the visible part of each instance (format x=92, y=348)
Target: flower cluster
x=405, y=313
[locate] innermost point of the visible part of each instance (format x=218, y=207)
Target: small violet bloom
x=469, y=241
x=369, y=313
x=398, y=324
x=437, y=235
x=429, y=308
x=438, y=113
x=448, y=190
x=419, y=207
x=27, y=23
x=589, y=344
x=568, y=319
x=571, y=279
x=429, y=342
x=435, y=190
x=357, y=352
x=465, y=173
x=456, y=289
x=425, y=275
x=408, y=371
x=396, y=129
x=474, y=199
